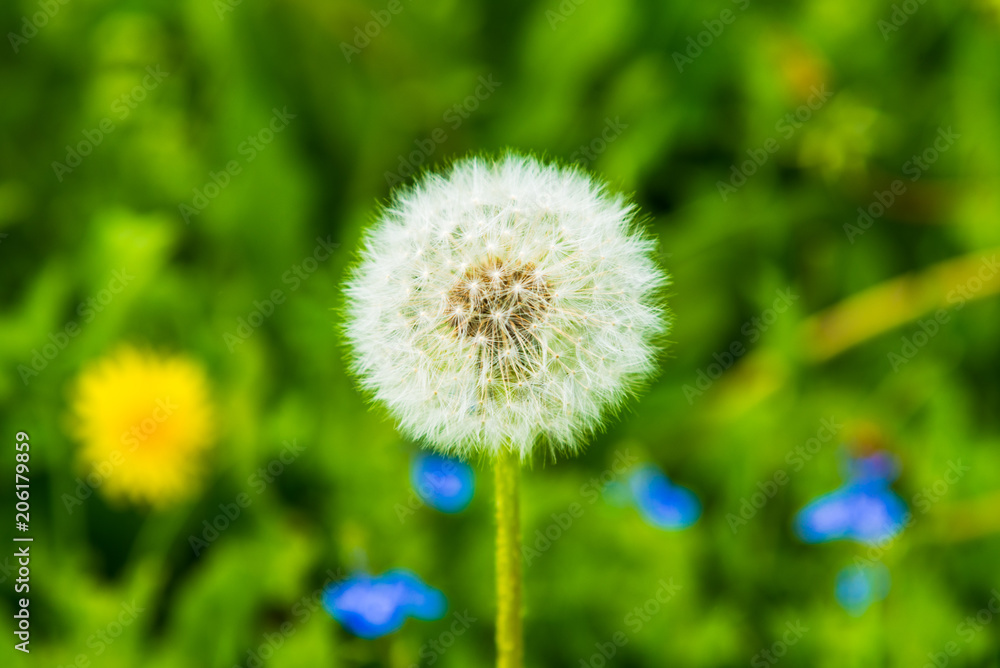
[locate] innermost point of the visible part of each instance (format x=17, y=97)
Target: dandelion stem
x=510, y=645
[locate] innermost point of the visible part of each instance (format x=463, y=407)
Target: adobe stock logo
x=900, y=16
x=122, y=107
x=929, y=328
x=458, y=113
x=915, y=168
x=796, y=459
x=87, y=310
x=770, y=656
x=753, y=329
x=696, y=44
x=38, y=20
x=966, y=631
x=250, y=148
x=786, y=126
x=295, y=277
x=635, y=621
x=589, y=152
x=381, y=18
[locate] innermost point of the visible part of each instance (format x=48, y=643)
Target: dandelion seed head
x=486, y=309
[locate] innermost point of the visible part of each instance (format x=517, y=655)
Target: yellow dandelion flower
x=144, y=421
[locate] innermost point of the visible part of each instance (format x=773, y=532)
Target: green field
x=194, y=179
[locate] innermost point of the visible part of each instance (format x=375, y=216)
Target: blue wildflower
x=859, y=586
x=444, y=483
x=864, y=509
x=371, y=606
x=877, y=466
x=662, y=503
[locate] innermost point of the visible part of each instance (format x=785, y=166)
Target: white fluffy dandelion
x=504, y=304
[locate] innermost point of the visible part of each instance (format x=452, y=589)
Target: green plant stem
x=510, y=644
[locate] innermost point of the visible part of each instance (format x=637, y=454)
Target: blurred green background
x=665, y=100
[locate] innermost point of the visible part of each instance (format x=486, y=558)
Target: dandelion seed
x=538, y=265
